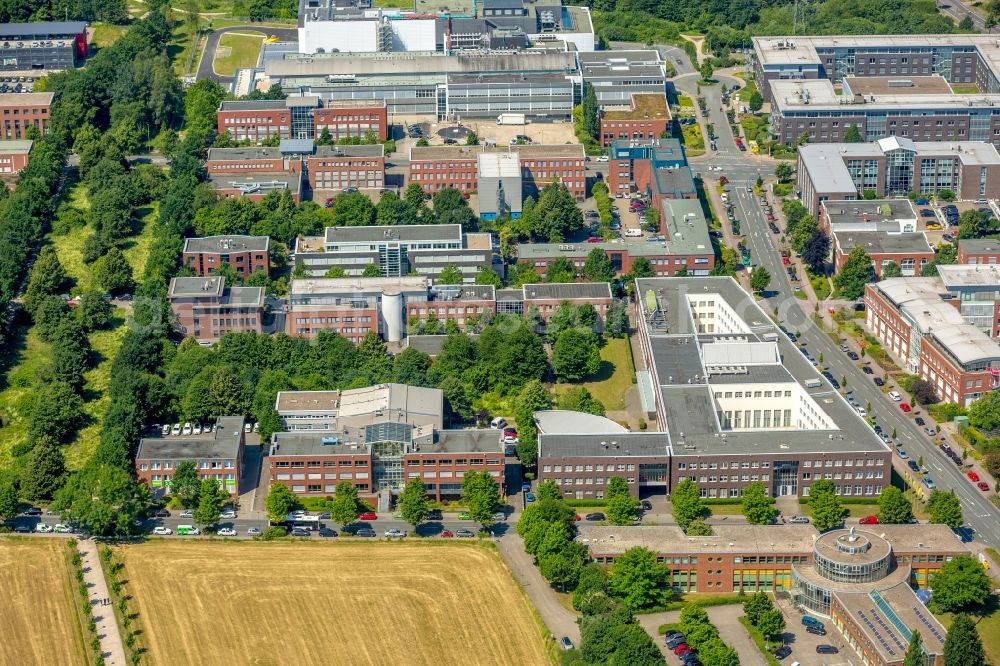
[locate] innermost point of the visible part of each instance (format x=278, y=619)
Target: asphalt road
x=205, y=70
x=978, y=511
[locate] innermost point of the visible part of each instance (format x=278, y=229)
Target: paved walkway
x=112, y=648
x=725, y=619
x=560, y=621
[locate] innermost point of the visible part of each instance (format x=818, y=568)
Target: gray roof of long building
x=222, y=442
x=421, y=63
x=370, y=150
x=244, y=153
x=610, y=444
x=42, y=28
x=232, y=243
x=566, y=291
x=429, y=344
x=879, y=242
x=405, y=232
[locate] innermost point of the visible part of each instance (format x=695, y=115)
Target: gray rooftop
x=395, y=233
x=622, y=444
x=620, y=64
x=197, y=286
x=979, y=245
x=296, y=146
x=566, y=422
x=418, y=63
x=461, y=292
x=222, y=442
x=879, y=242
x=43, y=28
x=259, y=183
x=685, y=227
x=369, y=150
x=464, y=441
x=669, y=539
x=566, y=291
x=226, y=244
x=243, y=153
x=429, y=344
x=16, y=146
x=251, y=104
x=871, y=215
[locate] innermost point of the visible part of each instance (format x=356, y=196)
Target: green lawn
x=820, y=285
x=966, y=89
x=243, y=51
x=106, y=34
x=394, y=4
x=685, y=101
x=26, y=354
x=694, y=142
x=615, y=377
x=988, y=625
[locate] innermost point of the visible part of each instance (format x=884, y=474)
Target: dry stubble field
x=38, y=624
x=329, y=603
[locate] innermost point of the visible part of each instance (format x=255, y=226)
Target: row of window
x=869, y=489
x=200, y=464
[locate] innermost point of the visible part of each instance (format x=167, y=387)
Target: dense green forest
x=111, y=11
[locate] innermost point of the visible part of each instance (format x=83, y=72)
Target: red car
x=869, y=520
x=447, y=534
x=681, y=649
x=973, y=477
x=786, y=261
x=368, y=515
x=595, y=239
x=723, y=180
x=982, y=485
x=905, y=406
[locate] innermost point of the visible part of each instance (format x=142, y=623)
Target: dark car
x=327, y=532
x=853, y=355
x=161, y=513
x=594, y=516
x=300, y=532
x=819, y=631
x=826, y=649
x=782, y=652
x=435, y=514
x=912, y=465
x=919, y=421
x=867, y=370
x=672, y=633
x=23, y=529
x=878, y=381
x=364, y=532
x=926, y=212
x=32, y=511
x=646, y=505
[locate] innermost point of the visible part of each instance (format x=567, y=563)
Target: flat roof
x=224, y=244
x=686, y=229
x=881, y=242
x=16, y=146
x=223, y=442
x=251, y=104
x=812, y=95
x=566, y=291
x=461, y=292
x=979, y=245
x=464, y=441
x=43, y=28
x=307, y=401
x=418, y=63
x=969, y=275
x=26, y=99
x=365, y=150
x=613, y=444
x=244, y=153
x=407, y=233
x=408, y=400
x=258, y=183
x=897, y=85
x=643, y=106
x=667, y=539
x=870, y=213
x=889, y=615
x=429, y=344
x=566, y=422
x=356, y=285
x=526, y=151
x=197, y=286
x=636, y=247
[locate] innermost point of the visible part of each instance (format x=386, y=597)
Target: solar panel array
x=927, y=623
x=884, y=606
x=878, y=635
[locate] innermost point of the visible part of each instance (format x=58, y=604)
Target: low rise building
x=657, y=168
x=248, y=160
x=337, y=168
x=647, y=117
x=244, y=254
x=399, y=250
x=23, y=110
x=217, y=455
x=975, y=291
x=462, y=304
x=887, y=230
x=896, y=166
x=978, y=251
x=14, y=157
x=915, y=321
x=256, y=187
x=302, y=117
x=205, y=308
x=618, y=75
x=328, y=410
x=498, y=179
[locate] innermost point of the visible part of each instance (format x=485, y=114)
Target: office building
x=975, y=290
x=302, y=117
x=256, y=187
x=916, y=321
x=329, y=410
x=896, y=166
x=205, y=308
x=336, y=168
x=14, y=157
x=646, y=117
x=978, y=251
x=249, y=160
x=618, y=75
x=437, y=167
x=23, y=110
x=656, y=168
x=43, y=47
x=217, y=454
x=887, y=229
x=498, y=178
x=399, y=250
x=938, y=88
x=244, y=254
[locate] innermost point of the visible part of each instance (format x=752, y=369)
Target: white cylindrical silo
x=392, y=313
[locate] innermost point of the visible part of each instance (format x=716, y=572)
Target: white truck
x=511, y=119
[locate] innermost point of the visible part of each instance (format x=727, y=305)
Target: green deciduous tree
x=102, y=498
x=95, y=310
x=185, y=484
x=854, y=274
x=280, y=502
x=756, y=101
x=44, y=471
x=815, y=250
x=944, y=508
x=853, y=134
x=891, y=270
x=533, y=397
x=9, y=500
x=638, y=579
x=47, y=278
x=579, y=399
x=57, y=412
x=760, y=279
x=575, y=355
x=344, y=508
x=893, y=507
x=353, y=209
x=984, y=413
x=962, y=646
x=698, y=527
x=827, y=510
x=783, y=171
x=621, y=509
x=758, y=506
x=591, y=112
x=413, y=502
x=960, y=584
x=488, y=276
x=481, y=495
x=686, y=503
x=450, y=274
x=914, y=651
x=210, y=497
x=113, y=272
x=597, y=267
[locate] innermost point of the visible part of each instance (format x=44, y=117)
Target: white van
x=895, y=396
x=498, y=423
x=633, y=233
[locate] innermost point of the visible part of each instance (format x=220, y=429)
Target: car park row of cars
x=189, y=428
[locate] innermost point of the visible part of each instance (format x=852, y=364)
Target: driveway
x=725, y=619
x=205, y=70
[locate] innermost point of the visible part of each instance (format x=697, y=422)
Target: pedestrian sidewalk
x=112, y=648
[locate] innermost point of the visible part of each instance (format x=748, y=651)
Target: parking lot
x=940, y=219
x=487, y=128
x=803, y=644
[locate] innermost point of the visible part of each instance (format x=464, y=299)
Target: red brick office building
x=205, y=308
x=22, y=110
x=249, y=160
x=983, y=251
x=301, y=117
x=352, y=117
x=647, y=118
x=14, y=157
x=245, y=254
x=339, y=167
x=216, y=455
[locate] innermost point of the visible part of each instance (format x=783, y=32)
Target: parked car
x=930, y=432
x=681, y=649
x=868, y=371
x=161, y=513
x=365, y=532
x=810, y=621
x=464, y=534
x=301, y=532
x=878, y=381
x=465, y=515
x=782, y=652
x=929, y=482
x=499, y=517
x=973, y=476
x=597, y=516
x=529, y=497
x=853, y=355
x=818, y=631
x=160, y=530
x=394, y=533
x=982, y=485
x=253, y=531
x=447, y=534
x=228, y=514
x=165, y=430
x=63, y=529
x=905, y=406
x=226, y=532
x=23, y=529
x=646, y=505
x=799, y=520
x=187, y=513
x=926, y=212
x=902, y=454
x=919, y=420
x=912, y=465
x=32, y=511
x=42, y=528
x=869, y=520
x=367, y=515
x=565, y=643
x=435, y=514
x=186, y=430
x=826, y=649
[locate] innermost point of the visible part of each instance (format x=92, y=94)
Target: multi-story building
x=975, y=290
x=684, y=244
x=618, y=75
x=461, y=304
x=302, y=117
x=398, y=250
x=218, y=454
x=916, y=321
x=888, y=85
x=352, y=307
x=437, y=167
x=205, y=308
x=14, y=157
x=256, y=187
x=245, y=254
x=647, y=117
x=886, y=229
x=733, y=402
x=978, y=251
x=861, y=579
x=337, y=168
x=657, y=168
x=377, y=438
x=23, y=110
x=249, y=160
x=896, y=166
x=43, y=47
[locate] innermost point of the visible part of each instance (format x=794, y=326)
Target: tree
x=9, y=501
x=621, y=509
x=185, y=484
x=57, y=412
x=113, y=272
x=783, y=172
x=44, y=471
x=984, y=413
x=95, y=310
x=47, y=278
x=893, y=507
x=854, y=274
x=923, y=392
x=638, y=579
x=335, y=272
x=891, y=270
x=760, y=278
x=698, y=527
x=560, y=270
x=533, y=397
x=549, y=489
x=450, y=274
x=344, y=508
x=755, y=606
x=973, y=224
x=481, y=494
x=591, y=112
x=579, y=399
x=756, y=101
x=641, y=268
x=371, y=270
x=853, y=134
x=488, y=276
x=280, y=502
x=353, y=209
x=598, y=267
x=944, y=508
x=914, y=651
x=210, y=497
x=575, y=355
x=771, y=622
x=706, y=69
x=758, y=506
x=827, y=509
x=959, y=584
x=413, y=502
x=686, y=503
x=962, y=646
x=102, y=498
x=815, y=250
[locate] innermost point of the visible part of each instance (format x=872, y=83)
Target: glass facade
x=899, y=171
